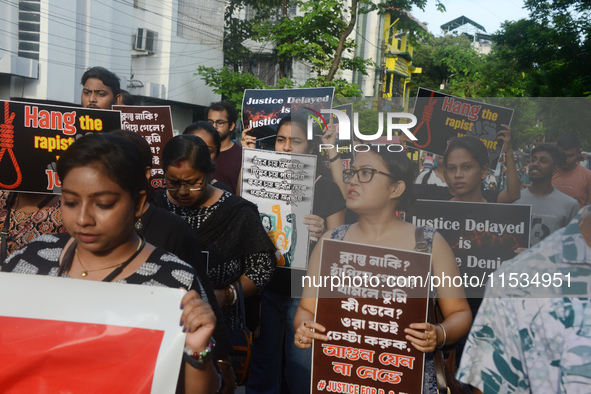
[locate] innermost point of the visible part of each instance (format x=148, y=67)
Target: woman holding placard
x=378, y=185
x=278, y=307
x=103, y=192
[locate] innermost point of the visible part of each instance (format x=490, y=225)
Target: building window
x=201, y=21
x=29, y=28
x=263, y=67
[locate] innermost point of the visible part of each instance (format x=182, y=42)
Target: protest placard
x=379, y=293
x=282, y=186
x=263, y=109
x=84, y=336
x=155, y=125
x=441, y=117
x=482, y=235
x=32, y=137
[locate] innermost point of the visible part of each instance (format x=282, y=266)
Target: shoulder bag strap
x=426, y=177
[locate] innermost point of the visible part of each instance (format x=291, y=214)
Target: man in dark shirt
x=223, y=116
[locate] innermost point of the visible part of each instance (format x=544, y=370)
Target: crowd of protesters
x=107, y=213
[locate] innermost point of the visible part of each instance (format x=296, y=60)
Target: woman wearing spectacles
x=103, y=193
x=226, y=225
x=379, y=184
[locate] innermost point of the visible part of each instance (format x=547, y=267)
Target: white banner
x=69, y=335
x=282, y=186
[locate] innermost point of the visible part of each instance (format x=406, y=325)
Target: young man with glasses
x=223, y=116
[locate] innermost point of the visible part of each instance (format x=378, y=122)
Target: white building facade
x=153, y=46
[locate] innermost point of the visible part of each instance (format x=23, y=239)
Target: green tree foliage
x=449, y=60
x=318, y=35
x=552, y=48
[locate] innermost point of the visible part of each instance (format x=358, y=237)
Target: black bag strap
x=6, y=227
x=68, y=258
x=426, y=177
x=119, y=269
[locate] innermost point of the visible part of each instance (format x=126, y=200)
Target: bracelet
x=337, y=156
x=444, y=336
x=198, y=359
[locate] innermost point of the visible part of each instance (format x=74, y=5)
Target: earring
x=138, y=222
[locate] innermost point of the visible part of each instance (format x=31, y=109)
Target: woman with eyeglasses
x=103, y=193
x=378, y=185
x=208, y=133
x=227, y=226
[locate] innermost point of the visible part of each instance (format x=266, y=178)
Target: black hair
x=473, y=145
x=107, y=77
x=140, y=143
x=146, y=153
x=189, y=148
x=209, y=129
x=558, y=156
x=126, y=97
x=223, y=106
x=119, y=159
x=569, y=141
x=402, y=169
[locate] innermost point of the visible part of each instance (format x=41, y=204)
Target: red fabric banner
x=59, y=356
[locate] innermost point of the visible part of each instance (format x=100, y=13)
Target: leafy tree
x=450, y=60
x=552, y=47
x=318, y=36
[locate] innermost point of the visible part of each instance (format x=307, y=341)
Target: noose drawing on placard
x=6, y=145
x=426, y=120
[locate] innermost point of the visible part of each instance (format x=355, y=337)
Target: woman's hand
x=306, y=332
x=423, y=336
x=330, y=134
x=248, y=141
x=197, y=320
x=504, y=135
x=315, y=225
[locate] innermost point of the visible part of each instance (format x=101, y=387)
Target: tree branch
x=342, y=38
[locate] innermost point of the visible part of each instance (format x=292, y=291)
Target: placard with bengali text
x=381, y=293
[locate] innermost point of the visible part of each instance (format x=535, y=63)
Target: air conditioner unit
x=145, y=40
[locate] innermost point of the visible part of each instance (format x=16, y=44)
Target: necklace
x=86, y=271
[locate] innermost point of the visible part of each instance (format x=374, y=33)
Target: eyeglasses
x=364, y=175
x=175, y=185
x=217, y=122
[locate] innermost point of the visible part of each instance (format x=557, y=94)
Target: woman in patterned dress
x=103, y=191
x=227, y=226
